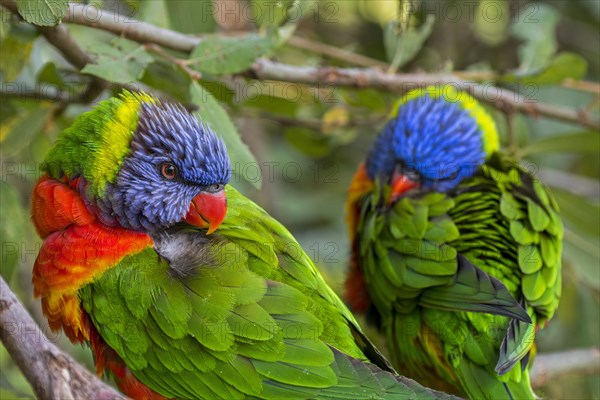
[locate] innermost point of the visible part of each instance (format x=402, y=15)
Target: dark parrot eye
x=413, y=175
x=168, y=170
x=217, y=187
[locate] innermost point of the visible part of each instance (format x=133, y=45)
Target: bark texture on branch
x=375, y=78
x=51, y=373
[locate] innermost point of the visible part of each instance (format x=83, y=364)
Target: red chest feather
x=76, y=249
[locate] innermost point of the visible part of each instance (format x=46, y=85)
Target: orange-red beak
x=400, y=184
x=207, y=210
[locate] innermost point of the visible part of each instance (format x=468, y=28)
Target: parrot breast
x=76, y=249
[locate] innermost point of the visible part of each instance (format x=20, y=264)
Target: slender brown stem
x=336, y=53
x=195, y=75
x=585, y=86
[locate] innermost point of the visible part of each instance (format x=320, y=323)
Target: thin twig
x=368, y=62
x=314, y=124
x=584, y=86
x=548, y=367
x=478, y=76
x=48, y=93
x=337, y=53
x=152, y=48
x=51, y=373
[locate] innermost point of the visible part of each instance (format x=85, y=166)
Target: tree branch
x=49, y=92
x=548, y=367
x=122, y=25
x=59, y=37
x=362, y=78
x=52, y=373
x=265, y=69
x=144, y=32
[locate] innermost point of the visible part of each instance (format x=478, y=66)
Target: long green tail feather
x=474, y=290
x=479, y=383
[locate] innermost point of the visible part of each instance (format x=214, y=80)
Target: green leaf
x=564, y=65
x=263, y=100
x=123, y=61
x=308, y=142
x=50, y=74
x=169, y=78
x=19, y=130
x=229, y=55
x=368, y=99
x=43, y=12
x=193, y=16
x=401, y=47
x=538, y=34
x=584, y=256
x=223, y=93
x=579, y=213
x=11, y=229
x=491, y=31
x=156, y=12
x=272, y=13
x=213, y=114
x=580, y=142
x=14, y=54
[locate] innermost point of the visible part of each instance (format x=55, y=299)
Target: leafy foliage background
x=304, y=143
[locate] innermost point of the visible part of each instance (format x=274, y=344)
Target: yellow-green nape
x=449, y=93
x=95, y=145
x=117, y=128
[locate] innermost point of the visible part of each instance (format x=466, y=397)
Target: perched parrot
x=456, y=249
x=182, y=287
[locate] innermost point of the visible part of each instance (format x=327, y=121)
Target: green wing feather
x=254, y=319
x=458, y=278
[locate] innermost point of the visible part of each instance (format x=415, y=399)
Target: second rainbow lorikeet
x=182, y=287
x=456, y=248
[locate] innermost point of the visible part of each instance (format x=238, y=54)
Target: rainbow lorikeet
x=130, y=194
x=456, y=248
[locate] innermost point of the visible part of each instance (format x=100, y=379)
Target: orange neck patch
x=356, y=292
x=77, y=249
x=361, y=184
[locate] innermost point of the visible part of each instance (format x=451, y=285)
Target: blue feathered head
x=174, y=170
x=437, y=138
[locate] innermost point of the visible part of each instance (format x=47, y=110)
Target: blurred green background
x=307, y=141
